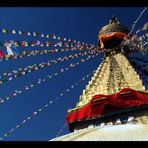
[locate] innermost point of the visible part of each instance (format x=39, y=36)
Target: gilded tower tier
x=115, y=90
x=113, y=74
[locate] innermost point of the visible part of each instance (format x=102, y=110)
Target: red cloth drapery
x=105, y=37
x=125, y=98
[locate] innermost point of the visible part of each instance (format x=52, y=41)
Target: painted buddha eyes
x=117, y=121
x=123, y=120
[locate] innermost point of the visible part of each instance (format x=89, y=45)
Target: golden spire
x=113, y=74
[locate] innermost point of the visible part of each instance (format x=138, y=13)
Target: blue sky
x=79, y=23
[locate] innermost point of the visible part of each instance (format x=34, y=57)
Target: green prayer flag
x=4, y=30
x=6, y=59
x=29, y=118
x=39, y=110
x=47, y=36
x=20, y=32
x=34, y=34
x=145, y=26
x=7, y=98
x=15, y=76
x=6, y=135
x=1, y=82
x=17, y=126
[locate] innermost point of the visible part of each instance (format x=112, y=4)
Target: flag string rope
x=136, y=21
x=42, y=80
x=61, y=130
x=43, y=44
x=144, y=28
x=8, y=76
x=136, y=43
x=34, y=34
x=43, y=108
x=39, y=81
x=40, y=35
x=40, y=52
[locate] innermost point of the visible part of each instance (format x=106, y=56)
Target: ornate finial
x=113, y=20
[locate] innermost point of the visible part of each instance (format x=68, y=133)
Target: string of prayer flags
x=43, y=108
x=12, y=45
x=136, y=21
x=42, y=80
x=4, y=57
x=41, y=35
x=145, y=27
x=8, y=76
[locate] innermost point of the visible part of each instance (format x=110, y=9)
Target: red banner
x=105, y=37
x=101, y=104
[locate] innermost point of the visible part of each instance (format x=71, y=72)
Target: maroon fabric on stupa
x=125, y=98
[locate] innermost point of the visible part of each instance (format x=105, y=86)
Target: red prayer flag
x=52, y=44
x=2, y=55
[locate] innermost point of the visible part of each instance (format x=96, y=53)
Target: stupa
x=114, y=104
